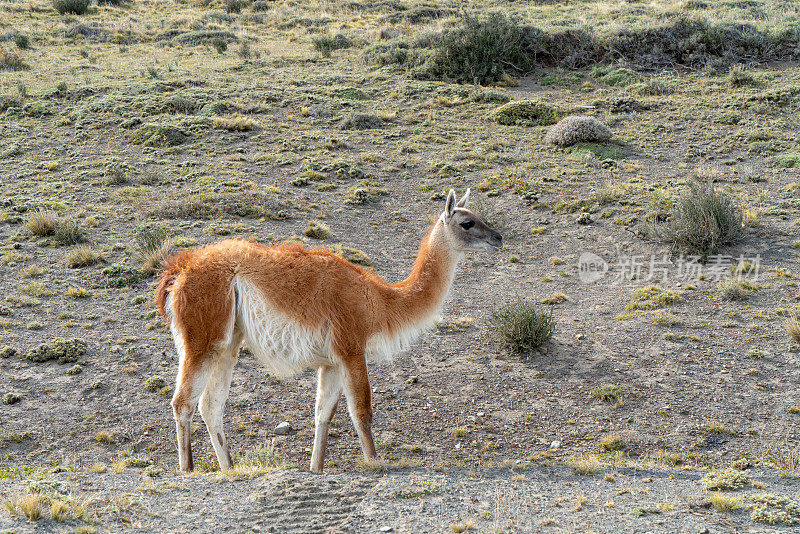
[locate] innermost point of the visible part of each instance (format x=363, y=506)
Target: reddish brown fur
x=311, y=286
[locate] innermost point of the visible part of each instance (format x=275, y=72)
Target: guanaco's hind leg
x=329, y=389
x=359, y=403
x=193, y=375
x=212, y=401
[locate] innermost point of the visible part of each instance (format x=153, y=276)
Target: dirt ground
x=469, y=431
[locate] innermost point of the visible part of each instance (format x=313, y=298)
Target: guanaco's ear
x=450, y=205
x=463, y=202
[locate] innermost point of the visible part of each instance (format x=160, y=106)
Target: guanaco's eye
x=466, y=225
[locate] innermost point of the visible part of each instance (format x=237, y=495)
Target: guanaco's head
x=466, y=229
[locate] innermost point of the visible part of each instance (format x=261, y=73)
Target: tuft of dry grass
x=153, y=247
x=12, y=61
x=59, y=510
x=29, y=504
x=235, y=123
x=83, y=256
x=735, y=289
x=585, y=465
x=703, y=220
x=42, y=223
x=317, y=230
x=724, y=503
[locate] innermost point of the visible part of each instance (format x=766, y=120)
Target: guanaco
x=298, y=308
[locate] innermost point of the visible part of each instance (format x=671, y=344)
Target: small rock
x=556, y=444
x=481, y=414
x=413, y=379
x=283, y=428
x=580, y=337
x=387, y=529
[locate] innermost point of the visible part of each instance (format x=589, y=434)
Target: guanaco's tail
x=172, y=268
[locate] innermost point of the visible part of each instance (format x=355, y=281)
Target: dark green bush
x=235, y=6
x=478, y=51
x=522, y=326
x=76, y=7
x=22, y=41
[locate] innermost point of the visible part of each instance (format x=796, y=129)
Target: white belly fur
x=283, y=346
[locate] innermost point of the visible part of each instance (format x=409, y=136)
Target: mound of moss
x=774, y=510
x=61, y=350
x=725, y=479
x=526, y=113
x=157, y=136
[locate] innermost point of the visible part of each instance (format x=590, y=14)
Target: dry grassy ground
x=145, y=127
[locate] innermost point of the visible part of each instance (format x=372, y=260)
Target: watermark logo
x=591, y=267
x=656, y=269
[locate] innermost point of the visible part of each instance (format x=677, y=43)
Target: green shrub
x=703, y=220
x=739, y=76
x=522, y=326
x=68, y=232
x=154, y=383
x=317, y=230
x=235, y=6
x=76, y=7
x=478, y=51
x=614, y=77
x=157, y=136
x=725, y=479
x=606, y=393
x=481, y=50
x=220, y=45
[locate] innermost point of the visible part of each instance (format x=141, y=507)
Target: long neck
x=421, y=294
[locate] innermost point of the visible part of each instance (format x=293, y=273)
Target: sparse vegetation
x=606, y=393
x=249, y=119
